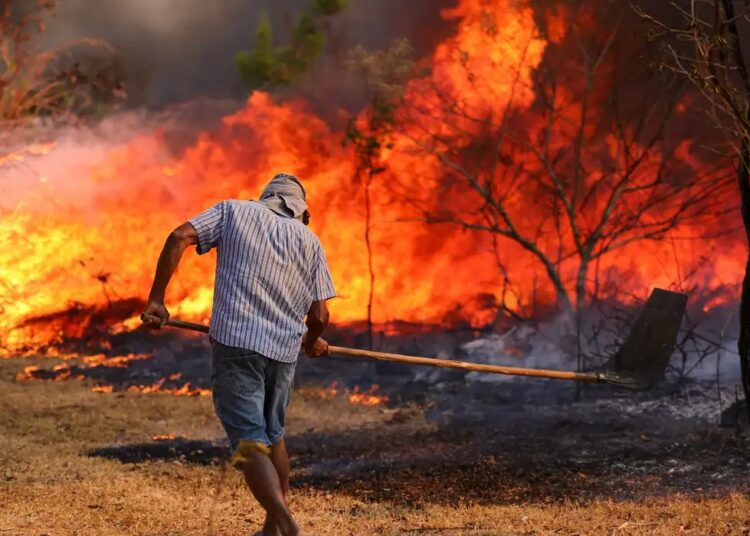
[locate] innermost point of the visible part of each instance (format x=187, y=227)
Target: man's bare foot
x=274, y=531
x=269, y=529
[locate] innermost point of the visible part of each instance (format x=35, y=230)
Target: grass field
x=52, y=485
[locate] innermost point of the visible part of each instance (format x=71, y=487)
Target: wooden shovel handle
x=464, y=365
x=432, y=362
x=192, y=326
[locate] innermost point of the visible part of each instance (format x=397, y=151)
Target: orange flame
x=370, y=397
x=165, y=437
x=65, y=371
x=185, y=390
x=92, y=231
x=29, y=373
x=327, y=393
x=367, y=398
x=58, y=373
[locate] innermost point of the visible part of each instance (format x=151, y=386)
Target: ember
x=370, y=397
x=65, y=371
x=57, y=374
x=327, y=393
x=166, y=437
x=169, y=385
x=367, y=398
x=160, y=387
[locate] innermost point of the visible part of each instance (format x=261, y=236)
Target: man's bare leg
x=280, y=460
x=264, y=483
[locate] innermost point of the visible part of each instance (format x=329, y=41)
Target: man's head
x=286, y=196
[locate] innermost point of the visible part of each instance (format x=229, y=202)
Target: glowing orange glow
x=159, y=387
x=327, y=393
x=90, y=233
x=58, y=373
x=370, y=397
x=367, y=398
x=29, y=373
x=120, y=361
x=165, y=437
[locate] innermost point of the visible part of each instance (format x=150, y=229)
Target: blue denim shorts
x=251, y=393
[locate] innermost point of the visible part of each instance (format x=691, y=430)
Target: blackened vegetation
x=508, y=445
x=78, y=328
x=524, y=457
x=175, y=449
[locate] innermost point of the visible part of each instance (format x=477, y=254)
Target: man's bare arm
x=177, y=242
x=317, y=321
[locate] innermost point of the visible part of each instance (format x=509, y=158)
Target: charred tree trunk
x=743, y=344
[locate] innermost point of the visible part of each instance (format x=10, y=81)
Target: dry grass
x=51, y=486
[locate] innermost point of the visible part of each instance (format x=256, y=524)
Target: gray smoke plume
x=177, y=50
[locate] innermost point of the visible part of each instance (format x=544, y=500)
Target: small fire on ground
x=173, y=383
x=170, y=384
x=166, y=437
x=369, y=397
x=159, y=387
x=65, y=371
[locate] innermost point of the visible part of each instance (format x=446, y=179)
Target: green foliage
x=267, y=65
x=259, y=64
x=386, y=74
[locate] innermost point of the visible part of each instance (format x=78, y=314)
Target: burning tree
x=385, y=74
x=560, y=157
x=703, y=43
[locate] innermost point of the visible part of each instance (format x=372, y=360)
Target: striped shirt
x=269, y=270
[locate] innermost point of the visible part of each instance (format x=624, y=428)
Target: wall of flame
x=84, y=216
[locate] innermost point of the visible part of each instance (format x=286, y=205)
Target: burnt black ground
x=450, y=438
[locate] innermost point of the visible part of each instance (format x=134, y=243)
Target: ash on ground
x=449, y=436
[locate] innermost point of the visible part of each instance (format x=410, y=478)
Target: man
x=271, y=272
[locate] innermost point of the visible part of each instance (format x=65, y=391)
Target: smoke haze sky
x=177, y=50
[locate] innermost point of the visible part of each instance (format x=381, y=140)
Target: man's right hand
x=316, y=348
x=155, y=315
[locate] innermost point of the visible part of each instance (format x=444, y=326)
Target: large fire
x=83, y=220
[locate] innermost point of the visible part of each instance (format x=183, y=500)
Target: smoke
x=177, y=50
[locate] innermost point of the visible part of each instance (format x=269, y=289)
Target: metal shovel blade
x=642, y=359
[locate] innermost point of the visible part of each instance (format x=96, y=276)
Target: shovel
x=638, y=364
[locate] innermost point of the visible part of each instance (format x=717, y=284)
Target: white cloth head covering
x=285, y=195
